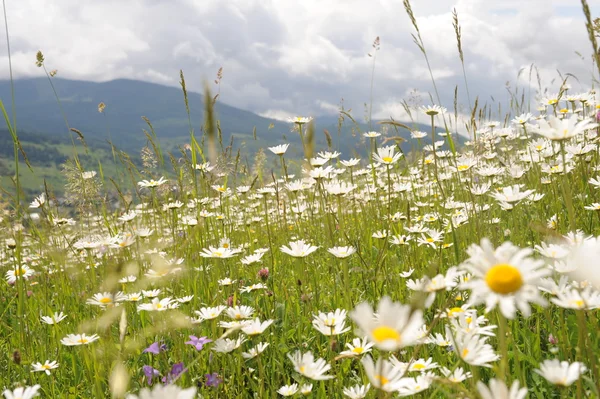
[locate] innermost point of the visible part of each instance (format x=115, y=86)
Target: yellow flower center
x=430, y=239
x=419, y=366
x=20, y=272
x=358, y=350
x=302, y=369
x=564, y=111
x=462, y=167
x=46, y=367
x=504, y=279
x=159, y=306
x=105, y=300
x=225, y=245
x=82, y=341
x=464, y=353
x=578, y=303
x=565, y=132
x=452, y=312
x=387, y=159
x=218, y=254
x=384, y=333
x=382, y=379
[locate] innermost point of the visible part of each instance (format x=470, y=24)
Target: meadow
x=456, y=270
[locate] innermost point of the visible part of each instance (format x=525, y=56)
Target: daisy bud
x=552, y=339
x=230, y=301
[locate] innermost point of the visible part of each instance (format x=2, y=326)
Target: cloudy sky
x=285, y=57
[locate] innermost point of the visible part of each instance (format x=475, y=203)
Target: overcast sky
x=288, y=57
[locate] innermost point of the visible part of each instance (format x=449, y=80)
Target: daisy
x=240, y=312
x=253, y=287
x=422, y=365
x=387, y=155
x=341, y=252
x=279, y=149
x=152, y=183
x=288, y=390
x=561, y=373
x=256, y=327
x=298, y=249
x=563, y=129
x=332, y=323
x=210, y=313
x=394, y=326
x=158, y=305
x=151, y=293
x=412, y=386
x=221, y=252
x=498, y=390
x=511, y=194
x=433, y=110
x=54, y=319
x=357, y=391
x=227, y=345
x=456, y=376
x=170, y=391
x=248, y=260
x=474, y=349
x=226, y=282
x=78, y=339
x=572, y=298
x=306, y=365
x=383, y=374
x=22, y=392
x=351, y=162
x=306, y=389
x=300, y=120
x=106, y=299
x=357, y=347
x=257, y=350
x=38, y=201
x=23, y=272
x=46, y=367
x=506, y=277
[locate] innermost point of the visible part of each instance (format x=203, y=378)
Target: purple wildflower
x=213, y=380
x=155, y=348
x=150, y=373
x=198, y=343
x=176, y=370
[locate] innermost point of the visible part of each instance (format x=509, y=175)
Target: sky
x=283, y=57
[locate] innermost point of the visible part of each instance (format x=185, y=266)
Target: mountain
x=128, y=100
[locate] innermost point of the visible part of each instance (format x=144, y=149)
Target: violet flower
x=155, y=348
x=213, y=380
x=176, y=370
x=198, y=343
x=150, y=373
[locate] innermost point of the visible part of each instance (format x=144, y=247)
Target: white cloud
x=285, y=57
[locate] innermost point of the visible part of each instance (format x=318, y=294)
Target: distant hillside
x=128, y=100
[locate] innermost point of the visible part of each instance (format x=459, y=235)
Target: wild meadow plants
x=453, y=271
